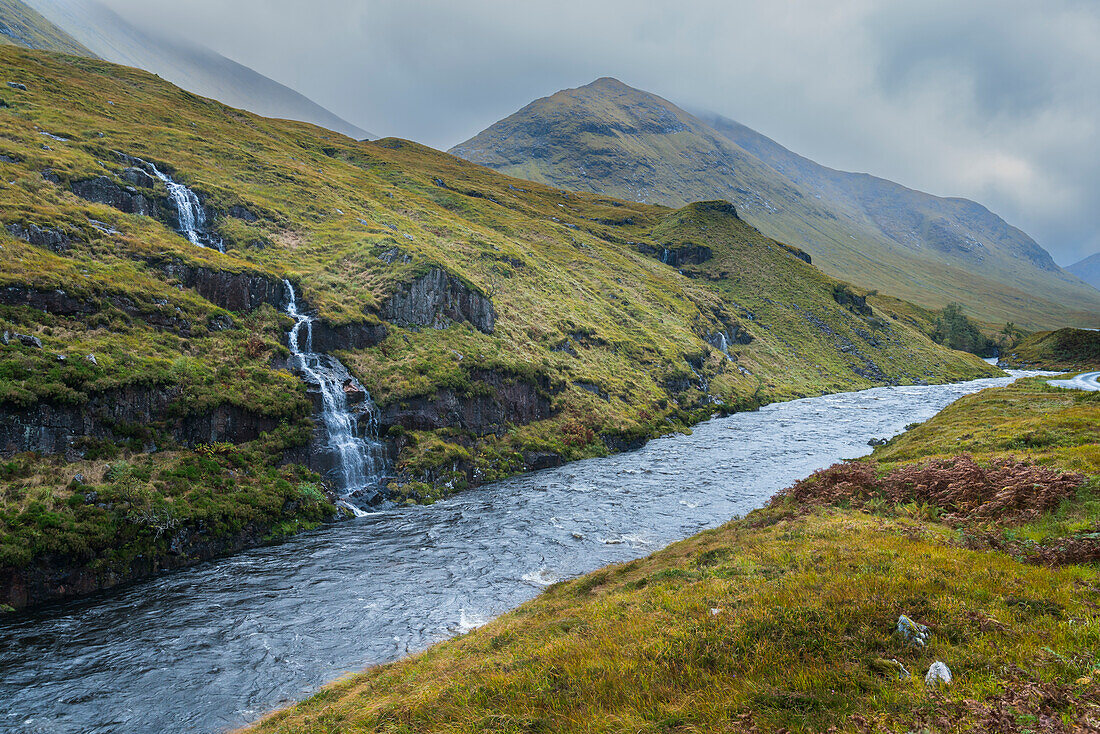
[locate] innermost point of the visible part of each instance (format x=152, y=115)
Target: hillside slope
x=498, y=325
x=191, y=66
x=609, y=138
x=1088, y=270
x=24, y=27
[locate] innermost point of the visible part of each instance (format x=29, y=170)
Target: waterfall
x=358, y=460
x=192, y=215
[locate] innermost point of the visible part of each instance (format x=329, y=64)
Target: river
x=218, y=645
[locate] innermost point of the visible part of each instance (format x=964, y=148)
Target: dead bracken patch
x=1004, y=491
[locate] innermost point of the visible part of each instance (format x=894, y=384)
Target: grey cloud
x=995, y=100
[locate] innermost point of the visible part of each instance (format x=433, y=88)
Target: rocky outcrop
x=327, y=338
x=55, y=301
x=58, y=428
x=240, y=292
x=436, y=300
x=508, y=399
x=678, y=256
x=850, y=300
x=726, y=337
x=102, y=190
x=52, y=239
x=53, y=578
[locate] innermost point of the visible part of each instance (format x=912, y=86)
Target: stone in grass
x=938, y=675
x=890, y=668
x=913, y=633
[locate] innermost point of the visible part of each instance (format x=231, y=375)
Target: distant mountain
x=191, y=66
x=22, y=26
x=1088, y=270
x=610, y=138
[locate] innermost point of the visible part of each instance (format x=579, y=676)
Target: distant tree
x=953, y=329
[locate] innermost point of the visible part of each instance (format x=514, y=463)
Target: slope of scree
x=609, y=138
x=497, y=325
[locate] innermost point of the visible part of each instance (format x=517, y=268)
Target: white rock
x=938, y=675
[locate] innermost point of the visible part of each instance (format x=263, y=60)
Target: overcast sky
x=998, y=101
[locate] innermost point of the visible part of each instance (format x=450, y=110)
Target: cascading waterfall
x=192, y=216
x=359, y=460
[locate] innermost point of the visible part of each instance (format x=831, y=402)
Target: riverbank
x=234, y=638
x=785, y=619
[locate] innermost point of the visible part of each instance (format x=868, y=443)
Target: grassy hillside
x=786, y=620
x=607, y=137
x=1064, y=349
x=595, y=344
x=22, y=26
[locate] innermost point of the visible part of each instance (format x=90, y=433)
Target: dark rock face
x=509, y=400
x=730, y=335
x=680, y=256
x=51, y=239
x=57, y=301
x=103, y=190
x=851, y=301
x=800, y=254
x=52, y=578
x=437, y=299
x=55, y=429
x=231, y=291
x=138, y=177
x=328, y=338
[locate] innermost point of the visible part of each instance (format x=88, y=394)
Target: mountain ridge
x=1087, y=269
x=608, y=137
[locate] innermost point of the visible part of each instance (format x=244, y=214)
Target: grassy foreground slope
x=609, y=138
x=497, y=324
x=784, y=620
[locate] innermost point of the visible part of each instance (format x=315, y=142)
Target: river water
x=218, y=645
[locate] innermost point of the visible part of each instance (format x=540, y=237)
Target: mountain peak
x=612, y=139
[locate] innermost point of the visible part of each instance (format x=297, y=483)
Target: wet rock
x=102, y=190
x=913, y=633
x=938, y=675
x=536, y=460
x=678, y=256
x=29, y=341
x=52, y=239
x=353, y=393
x=139, y=177
x=878, y=442
x=437, y=299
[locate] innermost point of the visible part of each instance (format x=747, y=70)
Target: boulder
x=29, y=341
x=913, y=633
x=938, y=675
x=51, y=239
